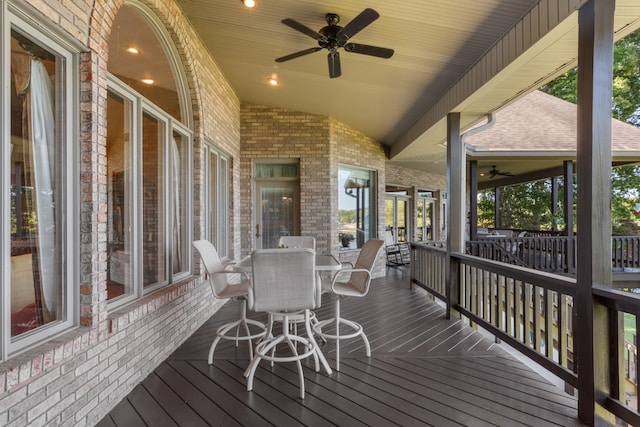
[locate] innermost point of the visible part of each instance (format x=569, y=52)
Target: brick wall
x=320, y=143
x=78, y=377
x=276, y=133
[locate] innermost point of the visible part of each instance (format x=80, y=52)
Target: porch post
x=595, y=76
x=473, y=200
x=496, y=208
x=456, y=189
x=554, y=202
x=568, y=215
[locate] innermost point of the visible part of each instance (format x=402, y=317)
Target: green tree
x=626, y=84
x=625, y=180
x=524, y=206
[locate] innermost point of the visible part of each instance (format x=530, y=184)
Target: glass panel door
x=277, y=212
x=397, y=217
x=425, y=214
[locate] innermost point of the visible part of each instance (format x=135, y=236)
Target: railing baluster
x=529, y=317
x=519, y=313
x=562, y=329
x=537, y=315
x=549, y=321
x=508, y=305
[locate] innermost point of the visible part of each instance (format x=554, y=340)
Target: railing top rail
x=628, y=302
x=435, y=246
x=561, y=284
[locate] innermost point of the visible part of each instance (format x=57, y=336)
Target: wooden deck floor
x=424, y=370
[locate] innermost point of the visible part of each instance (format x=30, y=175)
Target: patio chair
x=218, y=275
x=516, y=247
x=397, y=253
x=349, y=282
x=297, y=242
x=284, y=285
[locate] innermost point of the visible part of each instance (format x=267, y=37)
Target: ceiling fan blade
x=365, y=18
x=304, y=29
x=334, y=64
x=298, y=54
x=365, y=49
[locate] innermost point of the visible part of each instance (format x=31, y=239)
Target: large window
x=149, y=189
x=217, y=190
x=356, y=207
x=149, y=161
x=38, y=173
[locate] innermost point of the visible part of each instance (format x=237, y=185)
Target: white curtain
x=34, y=83
x=43, y=140
x=177, y=219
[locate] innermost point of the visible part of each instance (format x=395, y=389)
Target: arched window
x=149, y=159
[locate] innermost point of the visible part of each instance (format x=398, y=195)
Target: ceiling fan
x=333, y=37
x=494, y=172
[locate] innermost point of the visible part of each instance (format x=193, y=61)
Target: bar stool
x=218, y=275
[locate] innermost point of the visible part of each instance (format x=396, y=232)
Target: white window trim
x=223, y=230
x=140, y=106
x=374, y=199
x=24, y=22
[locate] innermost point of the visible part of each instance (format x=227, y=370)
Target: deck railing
x=625, y=252
x=552, y=253
x=532, y=311
x=623, y=309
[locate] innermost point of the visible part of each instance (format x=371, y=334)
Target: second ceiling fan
x=495, y=172
x=333, y=37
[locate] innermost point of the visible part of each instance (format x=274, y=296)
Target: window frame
x=68, y=102
x=431, y=197
x=141, y=106
x=373, y=203
x=217, y=211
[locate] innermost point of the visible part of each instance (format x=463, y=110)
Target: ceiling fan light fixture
x=249, y=3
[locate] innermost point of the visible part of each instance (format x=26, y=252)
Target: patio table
x=323, y=263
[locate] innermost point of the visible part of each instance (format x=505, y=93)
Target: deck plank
x=200, y=402
x=425, y=370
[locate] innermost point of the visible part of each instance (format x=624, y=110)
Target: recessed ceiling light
x=134, y=50
x=249, y=3
x=273, y=81
x=147, y=81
